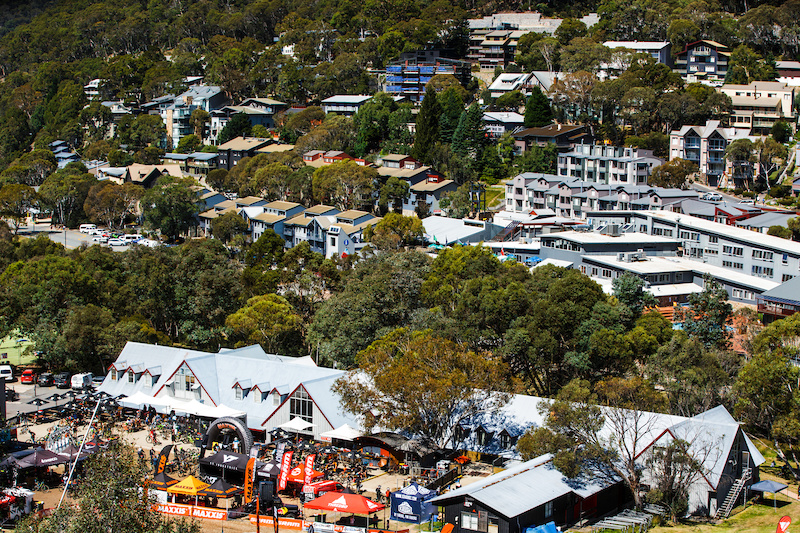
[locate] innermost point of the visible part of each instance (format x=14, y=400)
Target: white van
x=131, y=237
x=82, y=381
x=7, y=373
x=87, y=228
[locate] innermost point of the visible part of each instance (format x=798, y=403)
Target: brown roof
x=245, y=143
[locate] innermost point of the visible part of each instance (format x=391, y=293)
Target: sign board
x=783, y=524
x=208, y=513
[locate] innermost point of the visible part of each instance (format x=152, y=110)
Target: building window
x=113, y=374
x=606, y=273
x=276, y=399
x=148, y=381
x=713, y=239
x=301, y=406
x=763, y=255
x=762, y=272
x=469, y=521
x=548, y=509
x=130, y=376
x=733, y=250
x=239, y=393
x=729, y=264
x=257, y=396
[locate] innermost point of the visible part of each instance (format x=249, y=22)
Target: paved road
x=28, y=393
x=71, y=238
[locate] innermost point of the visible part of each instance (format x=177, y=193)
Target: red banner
x=286, y=464
x=783, y=524
x=309, y=468
x=294, y=524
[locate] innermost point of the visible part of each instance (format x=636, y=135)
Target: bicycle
x=40, y=486
x=152, y=438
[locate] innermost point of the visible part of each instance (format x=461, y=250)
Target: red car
x=27, y=377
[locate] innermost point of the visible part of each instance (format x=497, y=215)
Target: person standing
x=378, y=494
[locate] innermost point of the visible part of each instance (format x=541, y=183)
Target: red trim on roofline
x=185, y=362
x=674, y=437
x=288, y=397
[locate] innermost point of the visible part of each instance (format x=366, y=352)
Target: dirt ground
x=50, y=498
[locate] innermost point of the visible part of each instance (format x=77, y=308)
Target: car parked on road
x=712, y=197
x=100, y=238
x=116, y=242
x=62, y=380
x=7, y=373
x=81, y=381
x=97, y=381
x=28, y=377
x=46, y=379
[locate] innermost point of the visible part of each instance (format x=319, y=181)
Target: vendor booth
x=412, y=504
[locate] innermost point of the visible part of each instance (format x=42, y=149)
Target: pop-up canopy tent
x=768, y=486
x=344, y=503
x=220, y=489
x=190, y=486
x=162, y=481
x=344, y=432
x=164, y=405
x=296, y=425
x=298, y=474
x=42, y=458
x=411, y=504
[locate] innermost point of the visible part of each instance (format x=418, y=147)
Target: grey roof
x=176, y=157
x=218, y=372
x=713, y=428
x=788, y=291
x=765, y=220
x=449, y=230
x=699, y=208
x=203, y=156
x=347, y=99
x=201, y=91
x=537, y=480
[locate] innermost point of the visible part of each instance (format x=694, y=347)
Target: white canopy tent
x=297, y=424
x=165, y=405
x=343, y=432
x=140, y=400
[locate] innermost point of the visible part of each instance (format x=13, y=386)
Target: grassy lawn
x=495, y=194
x=755, y=518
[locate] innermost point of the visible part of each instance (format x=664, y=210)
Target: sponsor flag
x=163, y=457
x=286, y=465
x=249, y=479
x=309, y=468
x=783, y=524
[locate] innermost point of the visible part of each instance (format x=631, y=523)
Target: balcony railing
x=777, y=310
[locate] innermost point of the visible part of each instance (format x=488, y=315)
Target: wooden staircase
x=727, y=506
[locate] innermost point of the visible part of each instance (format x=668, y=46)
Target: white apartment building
x=608, y=164
x=705, y=146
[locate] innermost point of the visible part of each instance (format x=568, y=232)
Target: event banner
x=249, y=476
x=286, y=465
x=309, y=468
x=209, y=513
x=163, y=457
x=294, y=524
